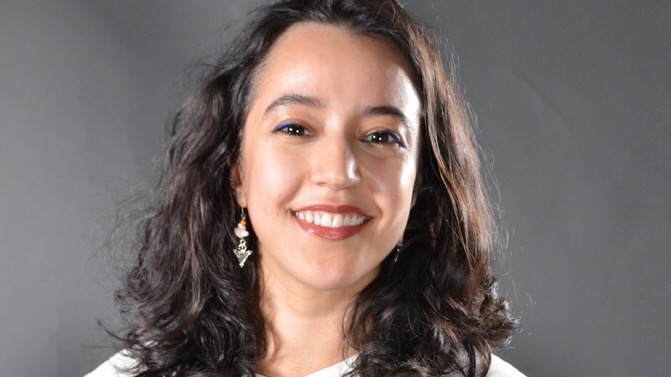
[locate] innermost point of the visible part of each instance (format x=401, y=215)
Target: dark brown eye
x=384, y=137
x=292, y=129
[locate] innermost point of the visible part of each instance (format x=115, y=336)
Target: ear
x=237, y=184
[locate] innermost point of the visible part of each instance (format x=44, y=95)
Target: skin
x=334, y=120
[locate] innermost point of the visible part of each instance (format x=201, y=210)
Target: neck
x=299, y=319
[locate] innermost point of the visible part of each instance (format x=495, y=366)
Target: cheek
x=395, y=181
x=272, y=177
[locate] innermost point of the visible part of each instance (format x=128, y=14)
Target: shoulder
x=116, y=366
x=500, y=368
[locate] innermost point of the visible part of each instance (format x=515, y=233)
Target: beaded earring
x=241, y=252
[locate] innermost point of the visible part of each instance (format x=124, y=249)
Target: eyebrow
x=299, y=99
x=294, y=99
x=392, y=111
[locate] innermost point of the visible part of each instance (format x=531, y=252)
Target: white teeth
x=325, y=220
x=331, y=220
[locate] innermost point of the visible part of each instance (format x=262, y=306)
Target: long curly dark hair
x=191, y=309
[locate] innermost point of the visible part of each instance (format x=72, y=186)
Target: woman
x=321, y=211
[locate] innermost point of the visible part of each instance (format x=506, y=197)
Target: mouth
x=331, y=223
x=331, y=220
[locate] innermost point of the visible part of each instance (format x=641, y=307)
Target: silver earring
x=241, y=252
x=399, y=245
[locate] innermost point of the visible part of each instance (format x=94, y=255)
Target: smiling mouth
x=331, y=220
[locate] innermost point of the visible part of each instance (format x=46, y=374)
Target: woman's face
x=329, y=156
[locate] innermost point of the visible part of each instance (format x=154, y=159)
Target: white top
x=121, y=360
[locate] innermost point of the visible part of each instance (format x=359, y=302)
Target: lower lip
x=333, y=234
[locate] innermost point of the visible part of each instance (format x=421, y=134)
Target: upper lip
x=332, y=209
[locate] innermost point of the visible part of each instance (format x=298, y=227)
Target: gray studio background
x=573, y=100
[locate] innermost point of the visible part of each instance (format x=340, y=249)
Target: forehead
x=314, y=35
x=331, y=53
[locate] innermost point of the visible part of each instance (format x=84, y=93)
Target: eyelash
x=295, y=129
x=292, y=129
x=393, y=138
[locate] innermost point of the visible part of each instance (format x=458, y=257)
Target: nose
x=334, y=165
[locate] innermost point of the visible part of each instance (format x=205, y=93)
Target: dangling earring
x=241, y=252
x=399, y=245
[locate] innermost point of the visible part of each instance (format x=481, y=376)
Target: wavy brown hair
x=192, y=311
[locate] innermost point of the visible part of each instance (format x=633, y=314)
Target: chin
x=338, y=278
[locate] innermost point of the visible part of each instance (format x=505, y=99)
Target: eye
x=292, y=129
x=384, y=137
